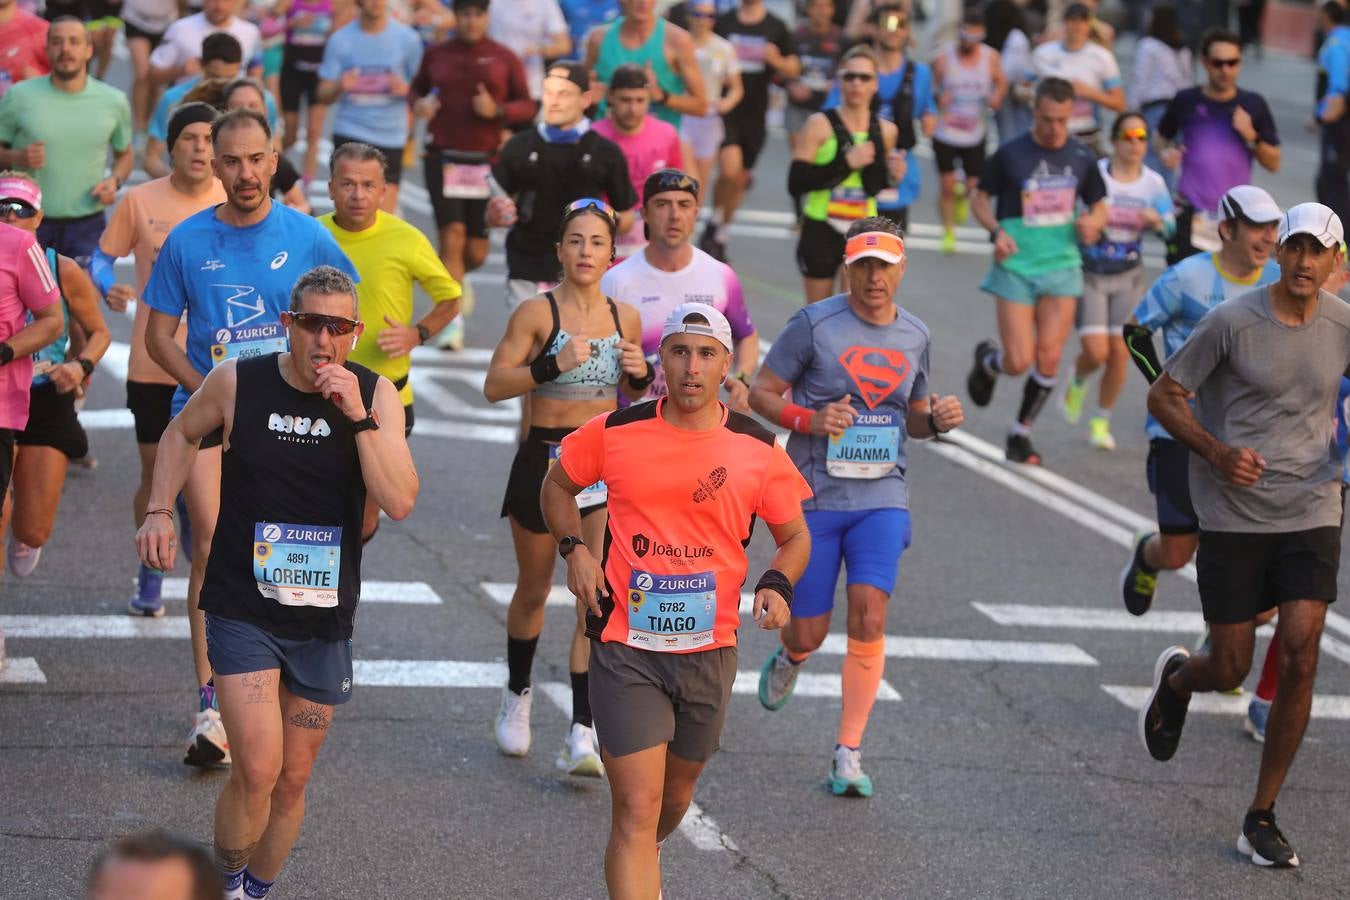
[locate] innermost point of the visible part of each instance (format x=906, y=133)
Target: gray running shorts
x=1109, y=300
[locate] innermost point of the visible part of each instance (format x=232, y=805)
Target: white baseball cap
x=1247, y=201
x=718, y=328
x=1314, y=219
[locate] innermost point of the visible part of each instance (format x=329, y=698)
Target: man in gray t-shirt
x=1265, y=368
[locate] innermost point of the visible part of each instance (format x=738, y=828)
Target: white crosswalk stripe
x=1323, y=707
x=22, y=670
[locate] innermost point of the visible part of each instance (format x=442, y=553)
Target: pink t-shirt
x=26, y=283
x=656, y=146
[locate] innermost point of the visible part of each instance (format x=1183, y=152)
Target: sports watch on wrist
x=6, y=353
x=423, y=334
x=568, y=544
x=369, y=423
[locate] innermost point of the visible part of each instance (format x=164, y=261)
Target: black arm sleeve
x=1139, y=341
x=804, y=177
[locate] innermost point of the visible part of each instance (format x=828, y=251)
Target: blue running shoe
x=1258, y=712
x=149, y=585
x=846, y=775
x=184, y=526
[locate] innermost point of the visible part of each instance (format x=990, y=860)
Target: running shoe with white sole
x=1138, y=586
x=1264, y=843
x=146, y=601
x=777, y=679
x=847, y=778
x=208, y=744
x=513, y=722
x=580, y=754
x=1164, y=713
x=21, y=558
x=1258, y=713
x=1074, y=395
x=1099, y=434
x=979, y=383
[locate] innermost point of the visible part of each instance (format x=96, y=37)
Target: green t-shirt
x=76, y=130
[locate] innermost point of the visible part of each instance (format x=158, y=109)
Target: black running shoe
x=1021, y=451
x=1262, y=840
x=979, y=382
x=1138, y=585
x=710, y=245
x=1161, y=718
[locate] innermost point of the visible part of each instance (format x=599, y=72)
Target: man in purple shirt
x=1219, y=128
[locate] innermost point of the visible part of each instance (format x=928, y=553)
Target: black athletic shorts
x=6, y=459
x=214, y=439
x=1170, y=481
x=747, y=132
x=299, y=76
x=971, y=158
x=820, y=249
x=528, y=471
x=1241, y=574
x=393, y=157
x=150, y=406
x=132, y=32
x=449, y=210
x=52, y=422
x=407, y=420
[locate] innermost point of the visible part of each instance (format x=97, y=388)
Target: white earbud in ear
x=354, y=340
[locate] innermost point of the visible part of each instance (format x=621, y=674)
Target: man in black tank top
x=306, y=436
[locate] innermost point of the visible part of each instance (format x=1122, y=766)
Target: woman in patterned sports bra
x=568, y=353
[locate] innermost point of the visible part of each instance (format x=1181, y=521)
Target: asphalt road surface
x=1003, y=748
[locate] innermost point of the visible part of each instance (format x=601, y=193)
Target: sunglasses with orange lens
x=1139, y=133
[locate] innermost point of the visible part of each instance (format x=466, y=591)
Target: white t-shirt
x=527, y=23
x=717, y=62
x=1090, y=64
x=183, y=41
x=152, y=16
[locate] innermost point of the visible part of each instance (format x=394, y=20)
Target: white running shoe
x=22, y=558
x=208, y=744
x=579, y=755
x=513, y=722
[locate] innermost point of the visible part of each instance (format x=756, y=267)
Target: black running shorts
x=1241, y=574
x=52, y=423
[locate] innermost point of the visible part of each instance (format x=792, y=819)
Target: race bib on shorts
x=245, y=341
x=592, y=496
x=668, y=613
x=1047, y=202
x=1124, y=219
x=466, y=182
x=869, y=448
x=297, y=565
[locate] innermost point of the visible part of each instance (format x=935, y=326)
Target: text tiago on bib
x=669, y=613
x=297, y=565
x=245, y=341
x=591, y=496
x=869, y=448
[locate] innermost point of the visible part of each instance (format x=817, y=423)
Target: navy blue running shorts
x=315, y=669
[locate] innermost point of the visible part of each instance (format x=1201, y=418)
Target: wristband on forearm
x=795, y=418
x=545, y=368
x=642, y=383
x=776, y=581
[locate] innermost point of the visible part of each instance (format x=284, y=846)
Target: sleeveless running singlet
x=846, y=202
x=652, y=53
x=286, y=556
x=314, y=32
x=962, y=124
x=595, y=379
x=54, y=354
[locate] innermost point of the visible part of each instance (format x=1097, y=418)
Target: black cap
x=574, y=72
x=1077, y=11
x=663, y=180
x=627, y=76
x=187, y=114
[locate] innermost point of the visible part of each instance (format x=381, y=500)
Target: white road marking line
x=101, y=419
x=93, y=627
x=115, y=360
x=1338, y=623
x=22, y=670
x=701, y=831
x=411, y=592
x=1029, y=616
x=559, y=694
x=964, y=650
x=428, y=673
x=466, y=431
x=1326, y=706
x=426, y=385
x=809, y=684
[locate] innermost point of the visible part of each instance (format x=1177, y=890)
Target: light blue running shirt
x=825, y=351
x=1180, y=298
x=235, y=282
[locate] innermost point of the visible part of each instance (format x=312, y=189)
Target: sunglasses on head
x=1139, y=133
x=313, y=323
x=863, y=77
x=1231, y=62
x=17, y=209
x=586, y=203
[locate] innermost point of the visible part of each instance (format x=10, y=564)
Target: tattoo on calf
x=312, y=716
x=233, y=860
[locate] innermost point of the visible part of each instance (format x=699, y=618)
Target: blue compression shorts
x=868, y=542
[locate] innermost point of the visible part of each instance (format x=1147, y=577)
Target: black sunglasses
x=1231, y=62
x=856, y=76
x=17, y=209
x=313, y=323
